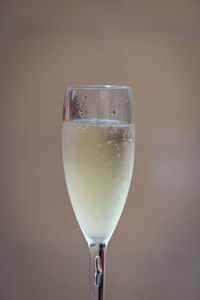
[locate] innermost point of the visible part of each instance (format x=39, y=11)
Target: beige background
x=153, y=46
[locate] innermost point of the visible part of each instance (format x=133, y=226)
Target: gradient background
x=153, y=46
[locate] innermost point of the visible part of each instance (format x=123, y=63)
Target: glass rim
x=97, y=87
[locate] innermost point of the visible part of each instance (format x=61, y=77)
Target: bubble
x=81, y=113
x=108, y=164
x=117, y=147
x=99, y=145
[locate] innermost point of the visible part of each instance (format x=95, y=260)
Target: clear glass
x=98, y=142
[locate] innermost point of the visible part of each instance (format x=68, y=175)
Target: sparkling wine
x=98, y=158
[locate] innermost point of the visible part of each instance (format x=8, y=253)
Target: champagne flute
x=98, y=140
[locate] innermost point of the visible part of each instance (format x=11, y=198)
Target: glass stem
x=97, y=271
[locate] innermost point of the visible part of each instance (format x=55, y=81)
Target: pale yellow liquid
x=98, y=162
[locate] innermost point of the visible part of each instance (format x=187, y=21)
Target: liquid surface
x=98, y=161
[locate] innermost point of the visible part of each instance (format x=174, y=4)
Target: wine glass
x=98, y=140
